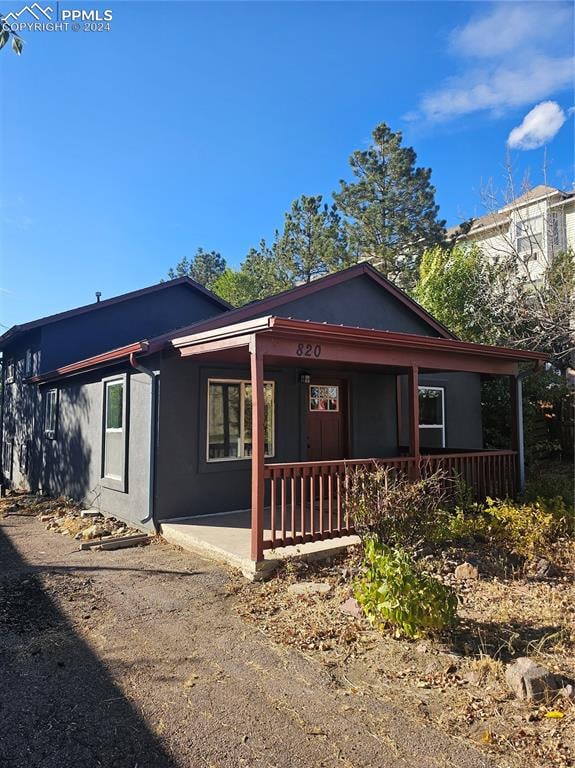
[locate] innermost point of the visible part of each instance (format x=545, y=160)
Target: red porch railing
x=306, y=500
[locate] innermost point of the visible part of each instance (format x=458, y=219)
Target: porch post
x=257, y=382
x=517, y=439
x=413, y=405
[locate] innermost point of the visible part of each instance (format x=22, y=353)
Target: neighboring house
x=533, y=228
x=260, y=408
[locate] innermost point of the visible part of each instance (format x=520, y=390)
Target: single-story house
x=166, y=404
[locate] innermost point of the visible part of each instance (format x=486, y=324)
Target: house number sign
x=308, y=350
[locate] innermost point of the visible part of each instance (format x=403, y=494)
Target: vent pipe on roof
x=98, y=296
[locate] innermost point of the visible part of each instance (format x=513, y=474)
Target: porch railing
x=306, y=500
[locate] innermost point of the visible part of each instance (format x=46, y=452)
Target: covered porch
x=303, y=503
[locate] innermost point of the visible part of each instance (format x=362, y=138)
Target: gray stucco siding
x=189, y=485
x=463, y=422
x=357, y=302
x=72, y=462
x=88, y=334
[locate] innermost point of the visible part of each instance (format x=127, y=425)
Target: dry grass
x=456, y=681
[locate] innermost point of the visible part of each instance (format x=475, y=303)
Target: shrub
x=463, y=523
x=550, y=480
x=527, y=529
x=397, y=511
x=393, y=592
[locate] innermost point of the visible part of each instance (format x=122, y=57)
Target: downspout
x=153, y=420
x=519, y=421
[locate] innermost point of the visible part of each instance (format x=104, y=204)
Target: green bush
x=393, y=592
x=399, y=512
x=549, y=480
x=527, y=529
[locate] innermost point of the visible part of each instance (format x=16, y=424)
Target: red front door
x=326, y=420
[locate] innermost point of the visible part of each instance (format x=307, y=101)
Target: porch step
x=216, y=537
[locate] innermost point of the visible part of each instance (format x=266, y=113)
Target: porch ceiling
x=311, y=345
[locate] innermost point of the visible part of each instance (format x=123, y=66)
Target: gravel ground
x=137, y=657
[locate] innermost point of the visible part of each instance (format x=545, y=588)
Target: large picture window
x=230, y=420
x=114, y=425
x=432, y=417
x=50, y=412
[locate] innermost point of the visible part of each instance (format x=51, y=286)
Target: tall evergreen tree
x=259, y=275
x=204, y=268
x=390, y=208
x=313, y=241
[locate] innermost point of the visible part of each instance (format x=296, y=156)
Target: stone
x=45, y=518
x=544, y=569
x=95, y=531
x=309, y=588
x=351, y=606
x=568, y=691
x=90, y=513
x=530, y=681
x=466, y=571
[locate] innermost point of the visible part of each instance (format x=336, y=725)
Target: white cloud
x=538, y=126
x=512, y=55
x=510, y=27
x=500, y=88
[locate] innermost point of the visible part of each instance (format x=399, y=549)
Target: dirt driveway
x=136, y=658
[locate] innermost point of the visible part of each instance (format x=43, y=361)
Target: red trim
x=107, y=358
x=16, y=330
x=392, y=338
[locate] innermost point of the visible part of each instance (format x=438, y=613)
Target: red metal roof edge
x=15, y=330
x=394, y=337
x=90, y=363
x=261, y=307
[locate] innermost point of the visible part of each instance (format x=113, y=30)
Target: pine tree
x=312, y=242
x=205, y=268
x=390, y=208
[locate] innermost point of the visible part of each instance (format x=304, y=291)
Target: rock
x=466, y=571
x=544, y=569
x=95, y=532
x=351, y=606
x=530, y=681
x=90, y=513
x=309, y=588
x=568, y=691
x=45, y=518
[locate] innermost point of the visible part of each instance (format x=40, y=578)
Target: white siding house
x=533, y=227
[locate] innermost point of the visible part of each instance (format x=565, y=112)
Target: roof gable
x=290, y=298
x=17, y=330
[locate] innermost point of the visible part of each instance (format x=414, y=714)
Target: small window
x=114, y=444
x=50, y=412
x=230, y=420
x=10, y=372
x=28, y=363
x=323, y=398
x=432, y=417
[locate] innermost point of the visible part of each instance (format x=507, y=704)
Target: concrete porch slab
x=226, y=536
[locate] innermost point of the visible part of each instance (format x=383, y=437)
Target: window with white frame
x=230, y=419
x=529, y=236
x=114, y=425
x=50, y=412
x=432, y=417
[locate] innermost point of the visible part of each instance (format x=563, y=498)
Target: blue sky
x=196, y=124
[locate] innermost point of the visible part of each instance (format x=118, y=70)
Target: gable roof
x=16, y=330
x=264, y=306
x=501, y=218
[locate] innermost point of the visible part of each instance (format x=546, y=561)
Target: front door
x=326, y=420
